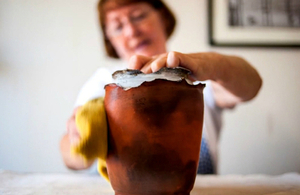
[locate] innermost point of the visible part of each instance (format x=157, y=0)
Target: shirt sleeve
x=94, y=87
x=212, y=122
x=208, y=95
x=213, y=111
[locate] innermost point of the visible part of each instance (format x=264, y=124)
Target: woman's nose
x=131, y=30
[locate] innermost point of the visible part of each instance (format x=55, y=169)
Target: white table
x=12, y=183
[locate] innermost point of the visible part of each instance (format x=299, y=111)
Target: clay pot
x=154, y=137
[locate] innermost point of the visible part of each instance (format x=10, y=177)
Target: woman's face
x=136, y=29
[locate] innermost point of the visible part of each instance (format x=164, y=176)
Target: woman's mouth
x=142, y=45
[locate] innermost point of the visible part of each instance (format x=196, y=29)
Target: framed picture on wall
x=265, y=23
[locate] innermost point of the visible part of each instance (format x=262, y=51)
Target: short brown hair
x=105, y=5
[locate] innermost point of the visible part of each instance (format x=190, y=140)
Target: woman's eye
x=138, y=17
x=117, y=28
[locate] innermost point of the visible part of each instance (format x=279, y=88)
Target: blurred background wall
x=48, y=49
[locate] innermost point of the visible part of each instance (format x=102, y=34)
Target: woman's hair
x=106, y=5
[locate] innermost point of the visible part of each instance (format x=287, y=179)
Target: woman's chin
x=147, y=53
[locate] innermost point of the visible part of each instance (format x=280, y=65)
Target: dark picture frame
x=228, y=27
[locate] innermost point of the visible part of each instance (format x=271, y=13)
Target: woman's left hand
x=196, y=63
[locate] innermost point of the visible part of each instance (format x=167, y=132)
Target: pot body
x=154, y=137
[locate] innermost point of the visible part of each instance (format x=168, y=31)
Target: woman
x=136, y=31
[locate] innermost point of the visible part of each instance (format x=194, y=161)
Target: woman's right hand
x=72, y=130
x=72, y=138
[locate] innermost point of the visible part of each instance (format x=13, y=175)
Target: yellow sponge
x=92, y=127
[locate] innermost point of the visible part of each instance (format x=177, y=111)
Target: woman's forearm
x=235, y=80
x=237, y=76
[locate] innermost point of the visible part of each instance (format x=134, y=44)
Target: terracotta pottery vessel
x=154, y=137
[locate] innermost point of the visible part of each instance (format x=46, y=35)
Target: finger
x=189, y=61
x=155, y=64
x=147, y=66
x=146, y=69
x=73, y=133
x=158, y=63
x=74, y=136
x=137, y=62
x=192, y=78
x=74, y=140
x=173, y=59
x=176, y=59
